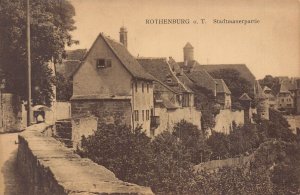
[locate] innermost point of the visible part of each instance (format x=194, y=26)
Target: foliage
x=194, y=140
x=269, y=81
x=51, y=23
x=172, y=171
x=205, y=101
x=281, y=161
x=234, y=180
x=164, y=163
x=64, y=88
x=219, y=144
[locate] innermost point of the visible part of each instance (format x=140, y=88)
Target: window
x=136, y=115
x=147, y=87
x=152, y=112
x=147, y=115
x=185, y=102
x=143, y=115
x=143, y=87
x=136, y=85
x=282, y=100
x=103, y=63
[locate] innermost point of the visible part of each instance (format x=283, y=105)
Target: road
x=10, y=182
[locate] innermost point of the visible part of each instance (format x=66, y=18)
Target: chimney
x=123, y=36
x=188, y=52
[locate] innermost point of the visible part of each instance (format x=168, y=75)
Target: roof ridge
x=185, y=87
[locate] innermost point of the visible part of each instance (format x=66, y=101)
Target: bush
x=164, y=164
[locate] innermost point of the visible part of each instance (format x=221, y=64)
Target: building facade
x=111, y=85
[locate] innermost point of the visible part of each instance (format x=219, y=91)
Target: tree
x=164, y=163
x=64, y=88
x=51, y=24
x=194, y=140
x=219, y=144
x=125, y=152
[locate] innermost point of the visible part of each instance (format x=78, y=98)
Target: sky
x=271, y=46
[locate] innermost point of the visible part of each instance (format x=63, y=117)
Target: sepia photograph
x=144, y=97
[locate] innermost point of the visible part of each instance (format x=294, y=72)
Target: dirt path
x=10, y=182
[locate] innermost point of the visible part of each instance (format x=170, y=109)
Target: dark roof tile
x=221, y=86
x=241, y=68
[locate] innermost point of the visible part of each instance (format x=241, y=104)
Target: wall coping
x=74, y=174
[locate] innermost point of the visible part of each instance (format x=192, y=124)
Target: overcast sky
x=271, y=46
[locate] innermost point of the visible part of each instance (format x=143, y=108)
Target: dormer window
x=103, y=63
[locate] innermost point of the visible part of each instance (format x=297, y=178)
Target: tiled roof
x=71, y=63
x=77, y=54
x=241, y=68
x=160, y=69
x=130, y=63
x=187, y=65
x=184, y=79
x=221, y=86
x=245, y=97
x=123, y=55
x=202, y=79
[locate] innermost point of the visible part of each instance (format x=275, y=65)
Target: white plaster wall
x=142, y=101
x=62, y=110
x=83, y=127
x=168, y=118
x=89, y=80
x=225, y=118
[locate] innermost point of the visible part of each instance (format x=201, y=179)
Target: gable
x=90, y=80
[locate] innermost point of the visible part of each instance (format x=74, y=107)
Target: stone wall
x=63, y=132
x=107, y=111
x=49, y=168
x=217, y=164
x=11, y=113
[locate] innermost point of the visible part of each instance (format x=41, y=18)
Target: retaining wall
x=50, y=168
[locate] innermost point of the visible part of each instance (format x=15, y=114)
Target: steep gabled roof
x=241, y=68
x=161, y=70
x=245, y=97
x=201, y=78
x=187, y=65
x=266, y=88
x=221, y=86
x=72, y=61
x=77, y=54
x=123, y=55
x=130, y=63
x=180, y=74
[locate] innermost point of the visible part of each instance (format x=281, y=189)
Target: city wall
x=50, y=168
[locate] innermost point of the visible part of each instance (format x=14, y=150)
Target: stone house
x=173, y=99
x=111, y=85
